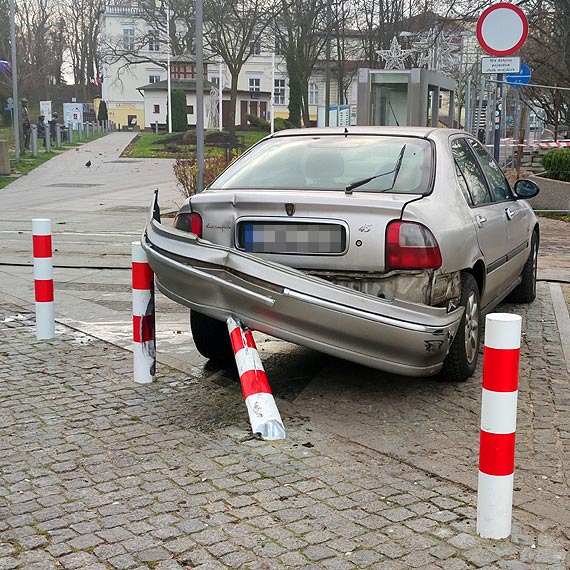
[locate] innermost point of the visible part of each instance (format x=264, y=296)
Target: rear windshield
x=332, y=162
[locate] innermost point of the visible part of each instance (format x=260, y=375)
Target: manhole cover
x=71, y=185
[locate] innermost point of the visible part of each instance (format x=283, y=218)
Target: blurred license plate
x=303, y=238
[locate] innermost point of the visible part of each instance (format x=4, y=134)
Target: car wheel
x=211, y=337
x=525, y=291
x=461, y=360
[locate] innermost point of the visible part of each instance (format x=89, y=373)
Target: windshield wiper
x=395, y=171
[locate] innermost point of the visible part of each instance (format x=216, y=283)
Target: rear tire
x=461, y=360
x=525, y=291
x=211, y=337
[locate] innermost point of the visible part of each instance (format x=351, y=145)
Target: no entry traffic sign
x=502, y=29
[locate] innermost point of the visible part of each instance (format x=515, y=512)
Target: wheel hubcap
x=471, y=327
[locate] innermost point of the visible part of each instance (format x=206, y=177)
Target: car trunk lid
x=308, y=230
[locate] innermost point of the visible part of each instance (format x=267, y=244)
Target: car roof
x=423, y=132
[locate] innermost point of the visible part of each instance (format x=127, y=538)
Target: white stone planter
x=553, y=195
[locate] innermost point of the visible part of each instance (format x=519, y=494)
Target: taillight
x=410, y=245
x=191, y=222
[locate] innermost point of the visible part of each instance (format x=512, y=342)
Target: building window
x=129, y=39
x=183, y=71
x=254, y=85
x=156, y=109
x=279, y=92
x=189, y=109
x=153, y=78
x=255, y=47
x=153, y=41
x=313, y=94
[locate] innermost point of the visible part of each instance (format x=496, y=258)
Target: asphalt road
x=97, y=212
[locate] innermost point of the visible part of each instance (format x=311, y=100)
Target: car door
x=517, y=216
x=488, y=216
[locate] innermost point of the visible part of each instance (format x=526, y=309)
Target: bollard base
x=271, y=431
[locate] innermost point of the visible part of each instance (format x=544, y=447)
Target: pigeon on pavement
x=88, y=164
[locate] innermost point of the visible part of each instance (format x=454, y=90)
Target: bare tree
x=40, y=47
x=234, y=29
x=301, y=27
x=547, y=52
x=82, y=37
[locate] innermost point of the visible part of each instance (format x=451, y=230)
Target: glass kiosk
x=405, y=97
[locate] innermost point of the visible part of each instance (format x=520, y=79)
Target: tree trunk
x=233, y=102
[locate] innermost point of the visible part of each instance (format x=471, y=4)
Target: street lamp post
x=168, y=93
x=199, y=96
x=15, y=81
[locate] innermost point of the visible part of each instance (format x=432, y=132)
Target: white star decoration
x=395, y=56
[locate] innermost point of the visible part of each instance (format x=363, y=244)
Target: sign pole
x=498, y=113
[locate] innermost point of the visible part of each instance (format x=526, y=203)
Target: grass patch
x=180, y=145
x=564, y=216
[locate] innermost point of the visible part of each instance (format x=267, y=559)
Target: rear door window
x=500, y=188
x=470, y=176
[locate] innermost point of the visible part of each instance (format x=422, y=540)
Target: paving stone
x=175, y=488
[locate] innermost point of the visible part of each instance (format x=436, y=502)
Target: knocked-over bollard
x=43, y=278
x=263, y=413
x=144, y=344
x=498, y=425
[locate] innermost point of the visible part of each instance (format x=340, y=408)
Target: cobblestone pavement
x=97, y=473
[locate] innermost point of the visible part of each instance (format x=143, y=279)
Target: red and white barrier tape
x=498, y=425
x=262, y=410
x=144, y=344
x=43, y=278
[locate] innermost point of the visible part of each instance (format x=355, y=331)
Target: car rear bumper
x=395, y=336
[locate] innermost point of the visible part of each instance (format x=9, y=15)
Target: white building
x=136, y=92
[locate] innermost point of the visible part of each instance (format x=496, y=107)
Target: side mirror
x=525, y=189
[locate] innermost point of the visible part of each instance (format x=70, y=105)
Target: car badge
x=290, y=209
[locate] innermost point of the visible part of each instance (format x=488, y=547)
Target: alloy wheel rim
x=471, y=327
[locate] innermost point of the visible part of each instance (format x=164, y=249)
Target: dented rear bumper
x=395, y=336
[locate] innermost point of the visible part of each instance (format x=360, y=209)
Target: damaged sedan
x=381, y=245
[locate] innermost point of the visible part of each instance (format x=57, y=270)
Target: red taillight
x=189, y=223
x=410, y=245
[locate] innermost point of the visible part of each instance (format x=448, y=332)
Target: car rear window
x=332, y=162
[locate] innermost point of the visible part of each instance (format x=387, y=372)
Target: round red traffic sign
x=502, y=29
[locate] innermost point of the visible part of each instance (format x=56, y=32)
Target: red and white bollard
x=498, y=425
x=144, y=345
x=263, y=413
x=43, y=278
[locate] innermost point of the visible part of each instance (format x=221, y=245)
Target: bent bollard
x=262, y=410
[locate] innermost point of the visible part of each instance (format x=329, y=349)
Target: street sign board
x=521, y=78
x=500, y=64
x=502, y=29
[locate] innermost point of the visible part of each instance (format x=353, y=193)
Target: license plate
x=294, y=238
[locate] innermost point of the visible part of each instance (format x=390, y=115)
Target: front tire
x=525, y=291
x=211, y=337
x=461, y=360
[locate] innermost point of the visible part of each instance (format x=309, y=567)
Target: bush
x=102, y=114
x=179, y=118
x=259, y=122
x=557, y=164
x=186, y=172
x=282, y=124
